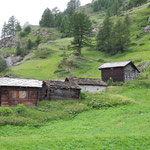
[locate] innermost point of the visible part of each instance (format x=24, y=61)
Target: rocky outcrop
x=9, y=42
x=143, y=66
x=12, y=60
x=45, y=34
x=96, y=29
x=147, y=28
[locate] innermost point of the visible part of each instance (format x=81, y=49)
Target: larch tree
x=81, y=30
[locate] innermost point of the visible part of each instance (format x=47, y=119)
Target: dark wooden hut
x=88, y=84
x=14, y=91
x=58, y=90
x=119, y=71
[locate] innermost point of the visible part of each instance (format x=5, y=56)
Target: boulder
x=143, y=66
x=12, y=60
x=147, y=28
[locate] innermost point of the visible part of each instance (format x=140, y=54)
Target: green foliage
x=47, y=19
x=5, y=111
x=72, y=6
x=38, y=40
x=135, y=3
x=18, y=27
x=81, y=29
x=43, y=54
x=9, y=29
x=20, y=109
x=101, y=100
x=104, y=36
x=111, y=83
x=111, y=6
x=29, y=44
x=3, y=65
x=26, y=31
x=19, y=50
x=112, y=39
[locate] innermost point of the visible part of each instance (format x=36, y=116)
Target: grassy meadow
x=118, y=124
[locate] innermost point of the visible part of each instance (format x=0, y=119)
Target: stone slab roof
x=117, y=64
x=87, y=81
x=114, y=64
x=18, y=82
x=62, y=85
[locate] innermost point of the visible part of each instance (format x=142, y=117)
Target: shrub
x=25, y=32
x=18, y=121
x=111, y=83
x=29, y=44
x=5, y=111
x=3, y=65
x=22, y=34
x=20, y=109
x=43, y=54
x=101, y=100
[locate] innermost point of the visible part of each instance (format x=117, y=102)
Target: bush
x=18, y=121
x=20, y=109
x=43, y=54
x=3, y=65
x=101, y=100
x=22, y=34
x=111, y=83
x=25, y=32
x=5, y=111
x=138, y=83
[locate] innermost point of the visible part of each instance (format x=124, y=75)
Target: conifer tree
x=47, y=19
x=120, y=36
x=81, y=29
x=11, y=26
x=4, y=31
x=18, y=27
x=104, y=36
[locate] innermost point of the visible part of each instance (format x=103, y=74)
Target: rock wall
x=9, y=42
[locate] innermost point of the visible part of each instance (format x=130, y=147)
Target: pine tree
x=104, y=36
x=81, y=29
x=29, y=44
x=18, y=27
x=4, y=31
x=115, y=8
x=72, y=6
x=47, y=19
x=18, y=49
x=11, y=26
x=120, y=36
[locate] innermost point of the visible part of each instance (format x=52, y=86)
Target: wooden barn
x=88, y=84
x=58, y=90
x=119, y=71
x=14, y=91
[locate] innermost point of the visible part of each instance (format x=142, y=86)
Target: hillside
x=53, y=66
x=117, y=119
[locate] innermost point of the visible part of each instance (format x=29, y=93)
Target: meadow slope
x=123, y=127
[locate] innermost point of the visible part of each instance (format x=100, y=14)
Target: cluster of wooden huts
x=14, y=91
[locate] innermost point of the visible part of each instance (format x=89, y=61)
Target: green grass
x=122, y=127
